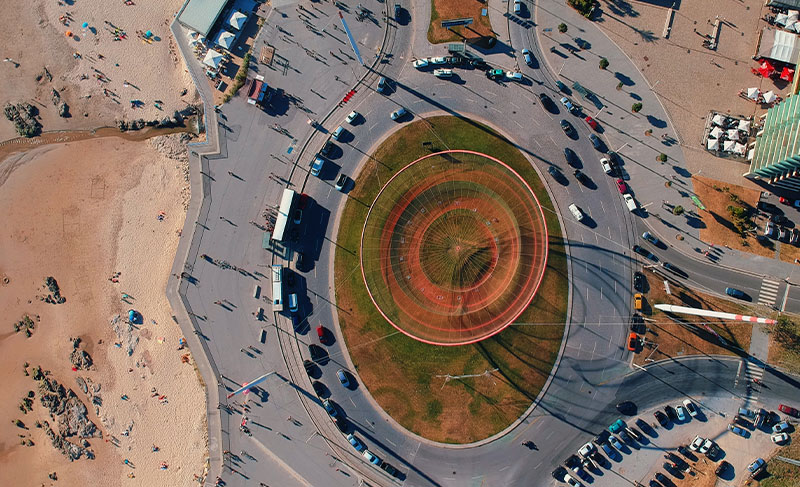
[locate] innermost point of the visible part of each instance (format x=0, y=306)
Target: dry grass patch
x=407, y=377
x=783, y=474
x=692, y=338
x=458, y=9
x=784, y=349
x=720, y=224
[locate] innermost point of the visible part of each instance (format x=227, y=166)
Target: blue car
x=734, y=292
x=356, y=442
x=616, y=426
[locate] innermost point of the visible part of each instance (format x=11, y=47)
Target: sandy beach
x=96, y=75
x=84, y=212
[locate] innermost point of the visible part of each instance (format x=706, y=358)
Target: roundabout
x=453, y=248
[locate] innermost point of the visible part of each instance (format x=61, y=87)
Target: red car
x=789, y=410
x=592, y=122
x=303, y=201
x=787, y=201
x=321, y=333
x=621, y=186
x=633, y=342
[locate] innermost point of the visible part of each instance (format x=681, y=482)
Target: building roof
x=793, y=4
x=200, y=15
x=779, y=45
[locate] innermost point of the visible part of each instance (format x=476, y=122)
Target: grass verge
x=408, y=378
x=458, y=9
x=783, y=474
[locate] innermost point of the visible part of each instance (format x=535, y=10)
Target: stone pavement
x=657, y=186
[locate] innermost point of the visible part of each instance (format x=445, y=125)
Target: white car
x=606, y=166
x=526, y=55
x=352, y=117
x=696, y=443
x=571, y=481
x=517, y=7
x=421, y=63
x=681, y=413
x=780, y=427
x=586, y=449
x=443, y=73
x=371, y=458
x=780, y=438
x=576, y=212
x=438, y=60
x=690, y=407
x=706, y=446
x=630, y=202
x=337, y=133
x=513, y=76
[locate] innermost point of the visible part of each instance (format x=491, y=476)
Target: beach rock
x=55, y=97
x=137, y=124
x=122, y=125
x=80, y=359
x=52, y=286
x=10, y=111
x=44, y=75
x=82, y=384
x=63, y=110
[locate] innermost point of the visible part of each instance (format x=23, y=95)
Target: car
x=316, y=166
x=438, y=61
x=637, y=324
x=576, y=212
x=526, y=55
x=616, y=426
x=638, y=301
x=340, y=182
x=681, y=413
x=553, y=170
x=566, y=127
x=590, y=464
x=371, y=457
x=397, y=114
x=573, y=462
x=766, y=206
x=608, y=450
x=769, y=229
x=779, y=219
x=633, y=339
x=627, y=408
x=592, y=122
x=559, y=473
x=780, y=438
x=615, y=442
x=634, y=433
x=651, y=238
x=706, y=446
x=756, y=467
x=443, y=73
x=321, y=333
x=327, y=149
x=356, y=442
x=421, y=63
x=297, y=216
x=343, y=379
x=723, y=465
x=654, y=483
x=671, y=414
x=696, y=443
x=760, y=418
x=517, y=7
x=624, y=436
x=780, y=427
x=595, y=140
x=783, y=234
x=638, y=281
x=790, y=202
x=337, y=134
x=581, y=43
x=747, y=413
x=789, y=410
x=674, y=269
x=479, y=64
x=662, y=478
x=795, y=238
x=381, y=84
x=607, y=168
x=571, y=157
x=571, y=481
x=562, y=87
x=495, y=74
x=546, y=100
x=621, y=186
x=644, y=253
x=586, y=449
x=690, y=408
x=568, y=104
x=389, y=469
x=580, y=176
x=514, y=76
x=598, y=458
x=330, y=408
x=398, y=10
x=293, y=303
x=351, y=117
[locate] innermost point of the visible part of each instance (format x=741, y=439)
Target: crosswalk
x=768, y=292
x=753, y=374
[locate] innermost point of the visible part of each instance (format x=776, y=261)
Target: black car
x=553, y=170
x=662, y=478
x=571, y=157
x=480, y=64
x=327, y=149
x=661, y=418
x=671, y=413
x=674, y=270
x=637, y=324
x=653, y=483
x=559, y=473
x=546, y=101
x=723, y=465
x=627, y=407
x=779, y=219
x=389, y=469
x=573, y=461
x=638, y=281
x=625, y=436
x=580, y=176
x=566, y=127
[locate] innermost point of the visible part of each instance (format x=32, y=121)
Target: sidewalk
x=652, y=182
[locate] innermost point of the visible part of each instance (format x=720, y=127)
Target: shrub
x=604, y=63
x=636, y=107
x=678, y=210
x=562, y=27
x=239, y=79
x=662, y=157
x=585, y=7
x=619, y=85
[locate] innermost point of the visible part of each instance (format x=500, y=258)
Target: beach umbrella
x=212, y=59
x=788, y=74
x=148, y=33
x=718, y=119
x=225, y=39
x=713, y=144
x=69, y=33
x=728, y=145
x=753, y=93
x=237, y=20
x=766, y=69
x=716, y=132
x=769, y=97
x=85, y=25
x=744, y=125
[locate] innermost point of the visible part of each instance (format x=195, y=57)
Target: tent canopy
x=778, y=45
x=739, y=149
x=225, y=39
x=716, y=132
x=213, y=58
x=733, y=134
x=728, y=145
x=713, y=144
x=718, y=119
x=787, y=74
x=744, y=125
x=769, y=97
x=237, y=20
x=766, y=69
x=753, y=93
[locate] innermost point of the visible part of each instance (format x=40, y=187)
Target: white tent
x=213, y=58
x=225, y=39
x=237, y=20
x=733, y=134
x=194, y=42
x=739, y=149
x=718, y=119
x=728, y=145
x=781, y=19
x=792, y=17
x=713, y=144
x=744, y=125
x=716, y=132
x=769, y=97
x=753, y=93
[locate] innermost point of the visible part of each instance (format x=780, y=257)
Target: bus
x=277, y=287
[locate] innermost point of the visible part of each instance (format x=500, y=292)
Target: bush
x=636, y=107
x=239, y=79
x=662, y=157
x=585, y=7
x=678, y=210
x=603, y=63
x=562, y=27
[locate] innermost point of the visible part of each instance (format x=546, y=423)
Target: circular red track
x=453, y=248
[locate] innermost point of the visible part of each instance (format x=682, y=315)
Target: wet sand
x=80, y=212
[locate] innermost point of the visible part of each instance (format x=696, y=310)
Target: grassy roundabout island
x=451, y=261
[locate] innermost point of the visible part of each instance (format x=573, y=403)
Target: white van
x=443, y=73
x=293, y=303
x=630, y=202
x=576, y=212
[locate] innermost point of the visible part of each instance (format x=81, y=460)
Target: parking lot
x=666, y=450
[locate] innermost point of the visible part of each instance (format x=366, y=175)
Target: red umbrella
x=766, y=69
x=787, y=74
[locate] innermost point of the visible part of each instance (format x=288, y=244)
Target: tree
x=678, y=210
x=662, y=157
x=603, y=63
x=562, y=27
x=636, y=107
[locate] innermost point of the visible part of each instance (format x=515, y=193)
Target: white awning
x=744, y=125
x=778, y=45
x=718, y=120
x=225, y=39
x=769, y=97
x=739, y=149
x=781, y=19
x=728, y=145
x=237, y=20
x=712, y=144
x=753, y=93
x=213, y=58
x=733, y=134
x=716, y=132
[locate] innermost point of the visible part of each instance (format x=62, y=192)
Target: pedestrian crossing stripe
x=768, y=292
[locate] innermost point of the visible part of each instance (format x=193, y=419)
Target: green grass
x=782, y=474
x=403, y=374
